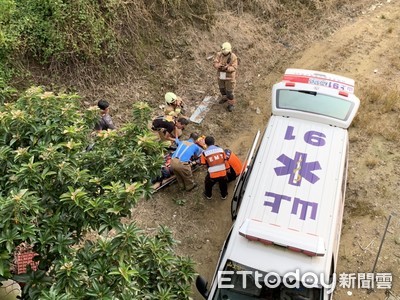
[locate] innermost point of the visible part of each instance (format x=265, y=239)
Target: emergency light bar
x=269, y=234
x=320, y=79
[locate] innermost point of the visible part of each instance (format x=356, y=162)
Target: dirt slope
x=366, y=49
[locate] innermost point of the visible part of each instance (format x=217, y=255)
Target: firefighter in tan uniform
x=215, y=160
x=174, y=105
x=226, y=64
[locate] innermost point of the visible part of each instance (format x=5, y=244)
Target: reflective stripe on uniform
x=216, y=168
x=182, y=148
x=213, y=151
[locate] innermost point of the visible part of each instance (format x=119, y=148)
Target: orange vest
x=234, y=161
x=215, y=160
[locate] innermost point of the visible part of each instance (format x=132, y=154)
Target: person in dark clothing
x=168, y=129
x=105, y=121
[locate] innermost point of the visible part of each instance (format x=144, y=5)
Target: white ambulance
x=288, y=204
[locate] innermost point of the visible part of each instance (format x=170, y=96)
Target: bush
x=64, y=33
x=62, y=30
x=53, y=193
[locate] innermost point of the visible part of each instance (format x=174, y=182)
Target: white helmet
x=226, y=48
x=170, y=98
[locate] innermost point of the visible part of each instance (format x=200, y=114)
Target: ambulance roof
x=292, y=198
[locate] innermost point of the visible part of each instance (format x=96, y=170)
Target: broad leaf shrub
x=53, y=193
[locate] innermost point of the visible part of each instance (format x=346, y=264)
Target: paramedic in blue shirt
x=182, y=159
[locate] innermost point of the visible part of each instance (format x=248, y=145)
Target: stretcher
x=204, y=107
x=170, y=180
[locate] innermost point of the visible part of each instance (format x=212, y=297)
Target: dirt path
x=366, y=50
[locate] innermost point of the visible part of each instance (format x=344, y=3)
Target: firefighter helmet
x=170, y=98
x=226, y=48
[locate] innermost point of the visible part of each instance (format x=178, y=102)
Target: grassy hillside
x=84, y=40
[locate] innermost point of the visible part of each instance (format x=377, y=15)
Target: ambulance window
x=315, y=103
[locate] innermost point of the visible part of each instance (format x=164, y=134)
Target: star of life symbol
x=298, y=168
